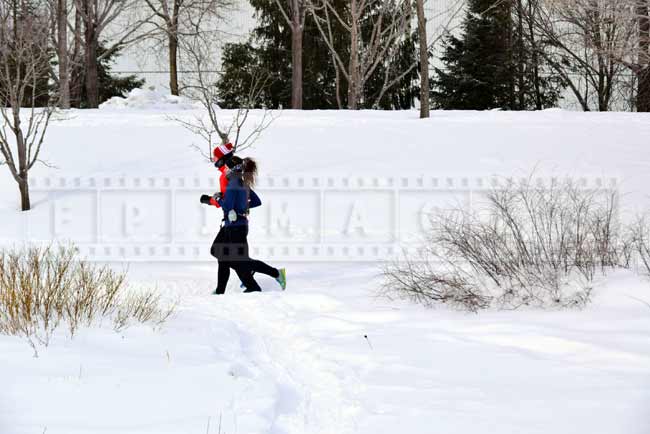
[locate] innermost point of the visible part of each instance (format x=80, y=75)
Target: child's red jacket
x=223, y=183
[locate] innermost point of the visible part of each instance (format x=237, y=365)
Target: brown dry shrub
x=42, y=289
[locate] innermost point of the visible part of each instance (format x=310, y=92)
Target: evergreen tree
x=269, y=52
x=493, y=64
x=241, y=64
x=402, y=96
x=109, y=85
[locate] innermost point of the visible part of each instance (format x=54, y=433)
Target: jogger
x=230, y=247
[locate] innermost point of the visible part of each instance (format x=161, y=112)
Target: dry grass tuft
x=42, y=289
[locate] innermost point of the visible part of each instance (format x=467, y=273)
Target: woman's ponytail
x=249, y=167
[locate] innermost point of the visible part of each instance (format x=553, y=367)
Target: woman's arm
x=254, y=200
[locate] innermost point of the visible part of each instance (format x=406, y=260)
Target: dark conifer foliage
x=268, y=51
x=109, y=85
x=494, y=63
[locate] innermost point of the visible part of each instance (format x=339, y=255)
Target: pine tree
x=269, y=52
x=493, y=63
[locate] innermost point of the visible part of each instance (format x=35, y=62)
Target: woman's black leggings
x=230, y=247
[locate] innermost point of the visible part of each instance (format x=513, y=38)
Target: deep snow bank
x=148, y=99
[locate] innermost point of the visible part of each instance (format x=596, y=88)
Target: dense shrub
x=529, y=245
x=42, y=289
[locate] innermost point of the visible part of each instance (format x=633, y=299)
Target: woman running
x=230, y=247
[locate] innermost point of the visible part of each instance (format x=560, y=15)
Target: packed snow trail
x=346, y=361
x=314, y=393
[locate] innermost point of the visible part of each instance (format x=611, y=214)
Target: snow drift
x=148, y=99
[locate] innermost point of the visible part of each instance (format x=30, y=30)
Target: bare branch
x=24, y=71
x=208, y=127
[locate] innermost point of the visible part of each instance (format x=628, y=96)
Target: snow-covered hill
x=328, y=356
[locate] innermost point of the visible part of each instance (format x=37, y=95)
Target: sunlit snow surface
x=329, y=356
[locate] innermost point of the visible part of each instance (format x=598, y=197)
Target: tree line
x=505, y=54
x=85, y=36
x=372, y=54
x=524, y=54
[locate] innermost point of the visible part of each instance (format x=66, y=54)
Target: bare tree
x=388, y=22
x=387, y=30
x=24, y=63
x=424, y=60
x=210, y=126
x=96, y=16
x=614, y=35
x=59, y=11
x=637, y=56
x=583, y=41
x=175, y=20
x=294, y=13
x=64, y=71
x=642, y=69
x=633, y=51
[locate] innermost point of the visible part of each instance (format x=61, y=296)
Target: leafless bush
x=638, y=240
x=44, y=288
x=143, y=308
x=426, y=281
x=529, y=245
x=25, y=105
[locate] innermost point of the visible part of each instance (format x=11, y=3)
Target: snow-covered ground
x=328, y=356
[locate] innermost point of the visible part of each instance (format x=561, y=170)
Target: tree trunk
x=92, y=81
x=339, y=103
x=76, y=56
x=64, y=73
x=173, y=64
x=521, y=67
x=424, y=60
x=509, y=45
x=296, y=62
x=643, y=90
x=643, y=74
x=603, y=104
x=353, y=86
x=23, y=185
x=534, y=55
x=23, y=164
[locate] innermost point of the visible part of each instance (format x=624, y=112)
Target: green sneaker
x=282, y=278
